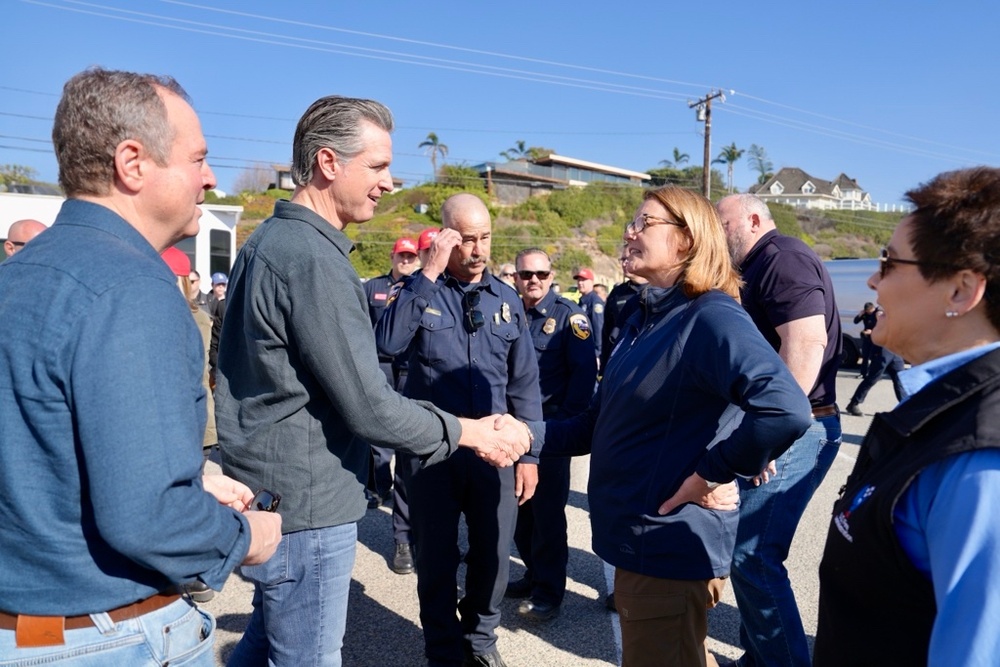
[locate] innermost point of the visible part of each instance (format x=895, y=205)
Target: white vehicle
x=211, y=251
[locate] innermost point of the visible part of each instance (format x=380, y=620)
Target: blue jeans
x=178, y=634
x=771, y=631
x=300, y=601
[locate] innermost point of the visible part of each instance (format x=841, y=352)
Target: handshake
x=498, y=439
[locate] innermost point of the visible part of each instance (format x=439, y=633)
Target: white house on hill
x=794, y=187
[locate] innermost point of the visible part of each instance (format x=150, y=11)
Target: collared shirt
x=492, y=370
x=564, y=345
x=959, y=537
x=784, y=280
x=102, y=414
x=300, y=394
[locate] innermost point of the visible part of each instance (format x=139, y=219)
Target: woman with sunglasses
x=911, y=569
x=692, y=396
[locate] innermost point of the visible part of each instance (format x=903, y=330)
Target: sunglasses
x=541, y=275
x=472, y=318
x=265, y=501
x=886, y=263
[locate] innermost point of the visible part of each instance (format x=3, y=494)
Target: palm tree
x=729, y=155
x=516, y=152
x=433, y=147
x=757, y=158
x=679, y=159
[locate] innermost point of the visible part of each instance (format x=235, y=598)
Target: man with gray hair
x=20, y=233
x=788, y=294
x=102, y=409
x=300, y=394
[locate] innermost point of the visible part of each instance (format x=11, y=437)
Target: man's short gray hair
x=334, y=122
x=752, y=204
x=100, y=109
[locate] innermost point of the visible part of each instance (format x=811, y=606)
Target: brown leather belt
x=825, y=411
x=18, y=622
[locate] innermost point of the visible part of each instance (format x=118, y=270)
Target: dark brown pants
x=665, y=621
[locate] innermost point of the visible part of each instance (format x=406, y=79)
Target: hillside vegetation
x=578, y=226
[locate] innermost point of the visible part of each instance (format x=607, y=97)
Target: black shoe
x=374, y=501
x=853, y=409
x=609, y=602
x=537, y=611
x=491, y=659
x=402, y=562
x=518, y=589
x=198, y=591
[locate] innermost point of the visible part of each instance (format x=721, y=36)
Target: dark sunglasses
x=526, y=275
x=472, y=318
x=886, y=263
x=265, y=501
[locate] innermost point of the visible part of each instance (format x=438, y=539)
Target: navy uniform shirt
x=564, y=345
x=593, y=306
x=377, y=292
x=489, y=371
x=622, y=300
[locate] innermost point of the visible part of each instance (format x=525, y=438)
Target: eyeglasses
x=526, y=275
x=507, y=274
x=886, y=263
x=17, y=243
x=472, y=318
x=646, y=220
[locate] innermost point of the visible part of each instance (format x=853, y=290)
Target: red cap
x=405, y=244
x=427, y=237
x=584, y=273
x=177, y=261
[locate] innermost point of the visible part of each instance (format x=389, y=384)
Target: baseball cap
x=177, y=261
x=220, y=279
x=584, y=274
x=405, y=244
x=427, y=237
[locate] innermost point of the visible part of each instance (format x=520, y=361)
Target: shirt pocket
x=438, y=337
x=501, y=338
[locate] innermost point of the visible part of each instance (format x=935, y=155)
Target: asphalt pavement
x=383, y=625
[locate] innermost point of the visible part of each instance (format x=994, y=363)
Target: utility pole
x=704, y=113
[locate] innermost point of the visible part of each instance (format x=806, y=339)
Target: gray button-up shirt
x=300, y=394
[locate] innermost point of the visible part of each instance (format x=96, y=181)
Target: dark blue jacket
x=692, y=386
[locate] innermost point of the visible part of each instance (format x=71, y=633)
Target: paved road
x=383, y=626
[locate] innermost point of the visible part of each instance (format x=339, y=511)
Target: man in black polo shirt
x=788, y=294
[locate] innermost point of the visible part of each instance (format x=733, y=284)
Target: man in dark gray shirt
x=300, y=393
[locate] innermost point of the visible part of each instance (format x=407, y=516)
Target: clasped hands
x=497, y=439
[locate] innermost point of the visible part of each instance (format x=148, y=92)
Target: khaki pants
x=664, y=621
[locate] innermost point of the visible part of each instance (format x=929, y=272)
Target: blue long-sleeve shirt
x=102, y=414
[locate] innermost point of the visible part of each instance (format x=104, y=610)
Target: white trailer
x=211, y=251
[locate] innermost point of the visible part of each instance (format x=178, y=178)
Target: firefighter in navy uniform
x=381, y=480
x=567, y=370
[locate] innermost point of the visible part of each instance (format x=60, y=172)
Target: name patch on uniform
x=549, y=326
x=579, y=324
x=381, y=296
x=432, y=311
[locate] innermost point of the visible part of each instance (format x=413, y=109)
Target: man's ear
x=327, y=163
x=130, y=156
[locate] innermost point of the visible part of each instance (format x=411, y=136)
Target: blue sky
x=889, y=93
